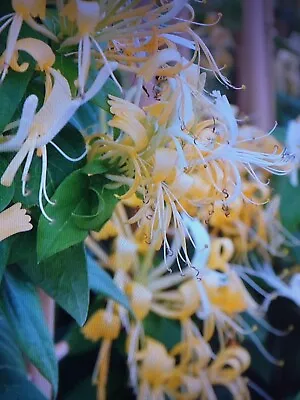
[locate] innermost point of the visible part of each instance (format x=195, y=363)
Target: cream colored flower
x=14, y=220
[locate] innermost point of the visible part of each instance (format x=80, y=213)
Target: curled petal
x=153, y=65
x=39, y=50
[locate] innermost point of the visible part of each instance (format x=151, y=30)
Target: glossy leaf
x=59, y=235
x=289, y=202
x=102, y=204
x=110, y=87
x=12, y=91
x=64, y=277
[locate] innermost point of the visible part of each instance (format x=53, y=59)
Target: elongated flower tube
x=36, y=130
x=14, y=220
x=25, y=10
x=87, y=16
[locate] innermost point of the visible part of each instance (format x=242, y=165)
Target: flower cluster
x=197, y=199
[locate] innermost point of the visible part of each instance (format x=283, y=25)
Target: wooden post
x=255, y=63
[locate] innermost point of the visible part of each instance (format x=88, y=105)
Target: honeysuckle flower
x=156, y=367
x=87, y=16
x=285, y=285
x=105, y=325
x=40, y=52
x=227, y=368
x=25, y=10
x=199, y=370
x=293, y=145
x=14, y=220
x=37, y=129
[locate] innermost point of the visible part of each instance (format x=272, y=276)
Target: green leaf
x=12, y=91
x=56, y=236
x=102, y=205
x=14, y=384
x=165, y=330
x=101, y=282
x=289, y=202
x=100, y=100
x=58, y=167
x=21, y=304
x=64, y=277
x=10, y=354
x=6, y=193
x=68, y=69
x=85, y=117
x=95, y=166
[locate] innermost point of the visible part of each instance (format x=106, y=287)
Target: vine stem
x=36, y=378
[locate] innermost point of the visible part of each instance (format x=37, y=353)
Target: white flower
x=293, y=145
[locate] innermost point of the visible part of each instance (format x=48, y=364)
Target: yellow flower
x=14, y=220
x=155, y=369
x=25, y=10
x=102, y=325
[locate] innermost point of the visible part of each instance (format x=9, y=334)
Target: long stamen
x=5, y=24
x=270, y=328
x=13, y=34
x=66, y=156
x=43, y=183
x=260, y=346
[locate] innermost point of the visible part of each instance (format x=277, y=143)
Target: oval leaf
x=62, y=233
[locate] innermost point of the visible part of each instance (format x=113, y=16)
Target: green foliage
x=12, y=91
x=63, y=277
x=62, y=233
x=101, y=98
x=289, y=202
x=21, y=304
x=100, y=282
x=82, y=203
x=165, y=330
x=14, y=384
x=101, y=202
